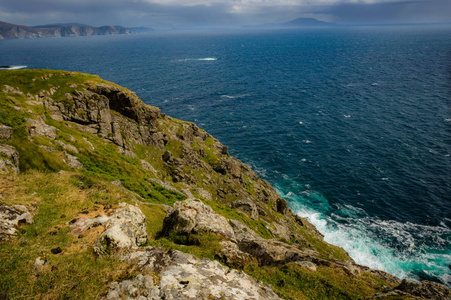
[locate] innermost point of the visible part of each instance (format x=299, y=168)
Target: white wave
x=447, y=120
x=199, y=59
x=402, y=249
x=234, y=97
x=347, y=116
x=13, y=68
x=307, y=141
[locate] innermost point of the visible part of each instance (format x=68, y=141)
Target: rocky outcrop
x=125, y=227
x=247, y=206
x=10, y=218
x=183, y=276
x=9, y=159
x=72, y=161
x=192, y=216
x=418, y=290
x=40, y=128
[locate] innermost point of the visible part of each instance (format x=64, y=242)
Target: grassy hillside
x=176, y=160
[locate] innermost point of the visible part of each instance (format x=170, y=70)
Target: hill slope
x=103, y=196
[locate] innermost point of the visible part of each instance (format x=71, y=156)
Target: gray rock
x=192, y=216
x=126, y=228
x=72, y=161
x=183, y=276
x=233, y=256
x=267, y=251
x=306, y=265
x=10, y=218
x=9, y=159
x=12, y=90
x=39, y=128
x=67, y=146
x=89, y=143
x=146, y=166
x=423, y=290
x=39, y=264
x=116, y=183
x=5, y=132
x=247, y=206
x=47, y=148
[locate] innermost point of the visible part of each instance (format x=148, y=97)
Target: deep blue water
x=351, y=125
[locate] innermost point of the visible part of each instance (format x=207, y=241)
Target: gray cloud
x=220, y=12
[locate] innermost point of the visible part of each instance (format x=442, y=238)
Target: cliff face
x=12, y=31
x=102, y=192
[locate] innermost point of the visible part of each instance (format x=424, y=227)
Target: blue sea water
x=351, y=125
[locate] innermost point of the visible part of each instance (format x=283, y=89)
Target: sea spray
x=406, y=250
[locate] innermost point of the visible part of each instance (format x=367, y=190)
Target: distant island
x=296, y=23
x=306, y=22
x=13, y=31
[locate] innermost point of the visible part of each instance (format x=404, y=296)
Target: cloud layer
x=223, y=13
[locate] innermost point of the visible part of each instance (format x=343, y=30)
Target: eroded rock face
x=183, y=276
x=10, y=218
x=192, y=216
x=9, y=159
x=125, y=228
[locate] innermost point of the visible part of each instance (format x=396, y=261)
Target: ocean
x=351, y=125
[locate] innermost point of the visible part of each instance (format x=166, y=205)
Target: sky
x=221, y=13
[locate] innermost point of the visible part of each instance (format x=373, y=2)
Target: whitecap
x=307, y=141
x=447, y=120
x=13, y=68
x=347, y=116
x=375, y=84
x=300, y=122
x=199, y=59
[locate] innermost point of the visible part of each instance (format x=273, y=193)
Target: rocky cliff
x=103, y=196
x=12, y=31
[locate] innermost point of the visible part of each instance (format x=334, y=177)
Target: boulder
x=39, y=128
x=9, y=159
x=233, y=256
x=72, y=161
x=10, y=218
x=125, y=228
x=5, y=132
x=183, y=276
x=306, y=265
x=192, y=216
x=146, y=166
x=247, y=206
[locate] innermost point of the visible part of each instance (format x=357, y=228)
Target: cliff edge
x=103, y=196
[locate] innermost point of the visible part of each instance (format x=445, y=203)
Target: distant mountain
x=12, y=31
x=306, y=22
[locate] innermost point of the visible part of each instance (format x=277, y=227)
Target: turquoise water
x=351, y=125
